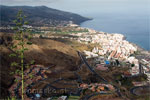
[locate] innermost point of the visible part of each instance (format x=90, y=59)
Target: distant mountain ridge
x=39, y=15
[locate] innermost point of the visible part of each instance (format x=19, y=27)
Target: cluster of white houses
x=112, y=44
x=115, y=47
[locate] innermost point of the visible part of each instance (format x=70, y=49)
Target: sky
x=27, y=2
x=80, y=6
x=77, y=2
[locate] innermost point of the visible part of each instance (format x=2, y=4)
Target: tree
x=19, y=47
x=132, y=65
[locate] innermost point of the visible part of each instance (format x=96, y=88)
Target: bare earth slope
x=43, y=51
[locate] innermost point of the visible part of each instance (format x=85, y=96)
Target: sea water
x=128, y=17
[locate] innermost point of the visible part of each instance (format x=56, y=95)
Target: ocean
x=128, y=17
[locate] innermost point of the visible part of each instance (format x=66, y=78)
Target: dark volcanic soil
x=63, y=58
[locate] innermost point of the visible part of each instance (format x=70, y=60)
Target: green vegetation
x=67, y=31
x=74, y=98
x=140, y=78
x=12, y=98
x=19, y=48
x=137, y=52
x=37, y=32
x=125, y=81
x=132, y=65
x=69, y=98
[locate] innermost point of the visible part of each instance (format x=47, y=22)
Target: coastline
x=130, y=34
x=138, y=50
x=125, y=38
x=142, y=50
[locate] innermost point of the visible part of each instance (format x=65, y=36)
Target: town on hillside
x=109, y=66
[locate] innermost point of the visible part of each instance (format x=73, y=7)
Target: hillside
x=65, y=70
x=39, y=15
x=45, y=52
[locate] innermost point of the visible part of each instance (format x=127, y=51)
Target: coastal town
x=107, y=52
x=110, y=46
x=110, y=49
x=115, y=47
x=74, y=50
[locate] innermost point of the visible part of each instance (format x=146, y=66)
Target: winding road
x=38, y=72
x=133, y=90
x=89, y=67
x=93, y=71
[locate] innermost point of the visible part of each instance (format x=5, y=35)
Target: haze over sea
x=128, y=17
